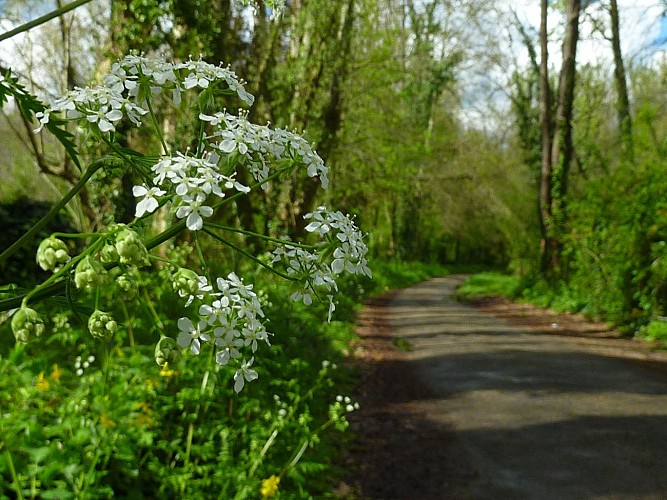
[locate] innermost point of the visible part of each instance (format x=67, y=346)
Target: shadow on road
x=481, y=408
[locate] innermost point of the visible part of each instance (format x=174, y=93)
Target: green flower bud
x=131, y=249
x=88, y=273
x=128, y=285
x=167, y=351
x=102, y=325
x=27, y=325
x=52, y=254
x=109, y=254
x=186, y=282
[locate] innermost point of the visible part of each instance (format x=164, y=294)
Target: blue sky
x=661, y=39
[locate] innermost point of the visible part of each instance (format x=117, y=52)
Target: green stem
x=260, y=236
x=41, y=20
x=12, y=472
x=265, y=448
x=249, y=255
x=55, y=210
x=128, y=325
x=296, y=458
x=149, y=305
x=200, y=254
x=158, y=130
x=58, y=287
x=200, y=141
x=75, y=235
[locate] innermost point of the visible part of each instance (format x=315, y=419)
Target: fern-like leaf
x=29, y=105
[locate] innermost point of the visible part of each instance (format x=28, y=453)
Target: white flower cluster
x=100, y=105
x=131, y=80
x=310, y=270
x=80, y=364
x=349, y=405
x=351, y=254
x=260, y=145
x=126, y=92
x=230, y=318
x=192, y=180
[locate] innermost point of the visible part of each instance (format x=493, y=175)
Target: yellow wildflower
x=42, y=384
x=55, y=373
x=105, y=421
x=143, y=420
x=142, y=406
x=270, y=486
x=166, y=371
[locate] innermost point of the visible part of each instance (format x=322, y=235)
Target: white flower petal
x=194, y=222
x=139, y=191
x=105, y=126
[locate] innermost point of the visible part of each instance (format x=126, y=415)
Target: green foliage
x=655, y=331
x=125, y=427
x=489, y=284
x=400, y=274
x=561, y=298
x=616, y=245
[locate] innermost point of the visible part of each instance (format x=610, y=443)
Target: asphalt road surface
x=475, y=406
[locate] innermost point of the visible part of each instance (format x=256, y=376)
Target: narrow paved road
x=480, y=408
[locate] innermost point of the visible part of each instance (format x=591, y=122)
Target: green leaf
x=39, y=454
x=56, y=494
x=29, y=105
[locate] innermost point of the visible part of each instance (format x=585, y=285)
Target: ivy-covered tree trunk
x=556, y=162
x=548, y=243
x=319, y=99
x=623, y=102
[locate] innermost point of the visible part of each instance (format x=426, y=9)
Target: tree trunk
x=562, y=150
x=545, y=128
x=623, y=104
x=332, y=110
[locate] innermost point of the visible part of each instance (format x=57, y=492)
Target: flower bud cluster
x=347, y=403
x=81, y=365
x=131, y=249
x=125, y=246
x=52, y=254
x=230, y=318
x=89, y=273
x=339, y=409
x=27, y=325
x=189, y=284
x=109, y=254
x=167, y=351
x=101, y=325
x=128, y=283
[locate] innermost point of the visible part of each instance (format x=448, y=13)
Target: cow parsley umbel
x=187, y=188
